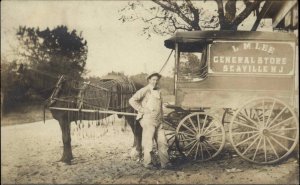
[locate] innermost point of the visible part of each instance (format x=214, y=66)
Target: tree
x=56, y=51
x=12, y=88
x=166, y=16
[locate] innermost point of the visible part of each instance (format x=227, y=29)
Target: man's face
x=154, y=81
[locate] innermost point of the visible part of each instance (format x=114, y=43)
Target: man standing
x=148, y=102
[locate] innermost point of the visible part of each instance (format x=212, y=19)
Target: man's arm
x=136, y=100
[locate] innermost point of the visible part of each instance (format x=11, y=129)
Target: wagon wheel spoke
x=251, y=120
x=249, y=138
x=272, y=147
x=186, y=134
x=211, y=146
x=283, y=137
x=265, y=148
x=269, y=124
x=198, y=124
x=190, y=144
x=215, y=135
x=170, y=133
x=210, y=124
x=273, y=104
x=189, y=139
x=250, y=145
x=284, y=129
x=249, y=132
x=257, y=148
x=242, y=118
x=280, y=123
x=274, y=136
x=204, y=123
x=196, y=153
x=280, y=144
x=191, y=121
x=257, y=116
x=192, y=148
x=207, y=133
x=201, y=149
x=245, y=125
x=191, y=131
x=207, y=150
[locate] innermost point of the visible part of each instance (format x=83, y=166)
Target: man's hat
x=154, y=74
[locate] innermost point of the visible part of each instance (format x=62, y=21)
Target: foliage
x=57, y=51
x=167, y=16
x=13, y=89
x=42, y=56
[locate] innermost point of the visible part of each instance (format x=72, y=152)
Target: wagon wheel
x=200, y=136
x=264, y=130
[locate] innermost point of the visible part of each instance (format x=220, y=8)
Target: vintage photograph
x=149, y=92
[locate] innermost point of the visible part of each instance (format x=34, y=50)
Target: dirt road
x=30, y=153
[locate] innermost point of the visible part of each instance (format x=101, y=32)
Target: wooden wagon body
x=251, y=76
x=231, y=82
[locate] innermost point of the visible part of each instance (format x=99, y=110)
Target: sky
x=112, y=45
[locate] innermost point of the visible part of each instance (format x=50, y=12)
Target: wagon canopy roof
x=204, y=37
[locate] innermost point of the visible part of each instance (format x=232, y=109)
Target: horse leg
x=66, y=137
x=136, y=128
x=138, y=139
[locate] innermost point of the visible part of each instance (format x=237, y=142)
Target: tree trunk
x=66, y=137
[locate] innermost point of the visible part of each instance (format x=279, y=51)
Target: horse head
x=41, y=82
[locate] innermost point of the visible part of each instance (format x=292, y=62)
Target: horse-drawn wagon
x=236, y=85
x=244, y=79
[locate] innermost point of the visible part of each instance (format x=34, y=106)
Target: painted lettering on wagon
x=251, y=57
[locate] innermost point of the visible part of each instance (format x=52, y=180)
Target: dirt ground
x=30, y=153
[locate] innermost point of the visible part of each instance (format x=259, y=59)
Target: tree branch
x=179, y=27
x=221, y=12
x=156, y=17
x=195, y=13
x=175, y=10
x=246, y=12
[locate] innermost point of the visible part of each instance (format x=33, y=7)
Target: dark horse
x=46, y=85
